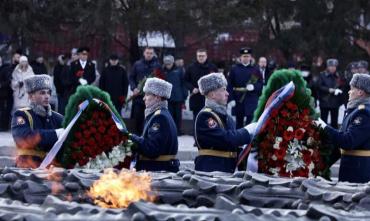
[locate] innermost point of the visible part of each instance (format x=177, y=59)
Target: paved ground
x=187, y=152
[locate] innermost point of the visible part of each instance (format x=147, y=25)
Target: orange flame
x=114, y=190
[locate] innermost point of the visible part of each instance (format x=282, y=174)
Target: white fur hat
x=158, y=87
x=361, y=81
x=23, y=59
x=37, y=82
x=211, y=82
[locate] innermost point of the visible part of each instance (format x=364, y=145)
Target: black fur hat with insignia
x=361, y=81
x=37, y=82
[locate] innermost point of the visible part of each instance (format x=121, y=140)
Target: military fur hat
x=37, y=82
x=332, y=62
x=211, y=82
x=361, y=81
x=158, y=87
x=362, y=64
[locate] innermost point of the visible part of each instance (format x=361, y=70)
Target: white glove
x=331, y=90
x=250, y=87
x=82, y=81
x=337, y=92
x=59, y=132
x=320, y=123
x=251, y=128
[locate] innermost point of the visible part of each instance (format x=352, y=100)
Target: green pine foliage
x=302, y=95
x=83, y=93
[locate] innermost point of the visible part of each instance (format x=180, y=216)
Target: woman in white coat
x=22, y=70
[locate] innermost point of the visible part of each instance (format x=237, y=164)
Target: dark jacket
x=327, y=81
x=34, y=132
x=39, y=68
x=114, y=80
x=265, y=73
x=241, y=75
x=88, y=73
x=176, y=77
x=59, y=75
x=192, y=75
x=353, y=135
x=141, y=69
x=6, y=71
x=215, y=135
x=159, y=138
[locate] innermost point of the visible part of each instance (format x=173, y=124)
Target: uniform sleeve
x=25, y=137
x=356, y=134
x=322, y=86
x=124, y=82
x=91, y=75
x=259, y=83
x=151, y=145
x=132, y=77
x=187, y=79
x=210, y=132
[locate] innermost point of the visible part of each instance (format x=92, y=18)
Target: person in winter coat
x=175, y=76
x=22, y=70
x=114, y=81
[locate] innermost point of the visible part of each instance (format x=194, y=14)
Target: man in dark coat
x=245, y=86
x=38, y=66
x=353, y=138
x=331, y=86
x=217, y=139
x=140, y=70
x=82, y=71
x=193, y=73
x=114, y=80
x=6, y=92
x=175, y=76
x=264, y=69
x=35, y=129
x=60, y=74
x=157, y=146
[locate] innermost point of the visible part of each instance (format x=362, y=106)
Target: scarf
x=219, y=108
x=41, y=110
x=155, y=107
x=355, y=103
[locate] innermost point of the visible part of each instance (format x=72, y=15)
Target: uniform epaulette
x=24, y=109
x=207, y=109
x=361, y=107
x=157, y=112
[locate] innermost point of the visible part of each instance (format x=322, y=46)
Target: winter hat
x=211, y=82
x=23, y=59
x=332, y=62
x=168, y=59
x=37, y=82
x=158, y=87
x=361, y=81
x=362, y=64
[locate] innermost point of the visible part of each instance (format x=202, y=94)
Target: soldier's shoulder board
x=361, y=107
x=157, y=112
x=24, y=109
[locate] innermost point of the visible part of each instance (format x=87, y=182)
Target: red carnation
x=299, y=134
x=288, y=135
x=101, y=129
x=79, y=73
x=280, y=153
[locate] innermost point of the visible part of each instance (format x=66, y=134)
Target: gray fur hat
x=158, y=87
x=211, y=82
x=361, y=81
x=332, y=62
x=37, y=82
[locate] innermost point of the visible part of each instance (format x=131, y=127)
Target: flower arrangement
x=291, y=144
x=94, y=141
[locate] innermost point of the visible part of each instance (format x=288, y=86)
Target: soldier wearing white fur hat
x=157, y=146
x=353, y=140
x=216, y=136
x=36, y=128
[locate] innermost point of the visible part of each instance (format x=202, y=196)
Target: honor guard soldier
x=82, y=71
x=353, y=138
x=217, y=139
x=245, y=86
x=157, y=146
x=34, y=128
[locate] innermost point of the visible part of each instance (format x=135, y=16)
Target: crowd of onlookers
x=329, y=86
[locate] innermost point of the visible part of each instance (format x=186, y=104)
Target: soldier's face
x=201, y=57
x=245, y=58
x=332, y=69
x=83, y=55
x=220, y=95
x=150, y=99
x=355, y=93
x=41, y=97
x=148, y=54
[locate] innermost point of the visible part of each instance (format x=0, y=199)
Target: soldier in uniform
x=82, y=71
x=353, y=138
x=362, y=67
x=245, y=86
x=36, y=128
x=217, y=139
x=157, y=146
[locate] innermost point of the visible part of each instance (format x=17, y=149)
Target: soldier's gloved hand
x=251, y=128
x=250, y=87
x=59, y=132
x=337, y=92
x=319, y=122
x=82, y=81
x=331, y=90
